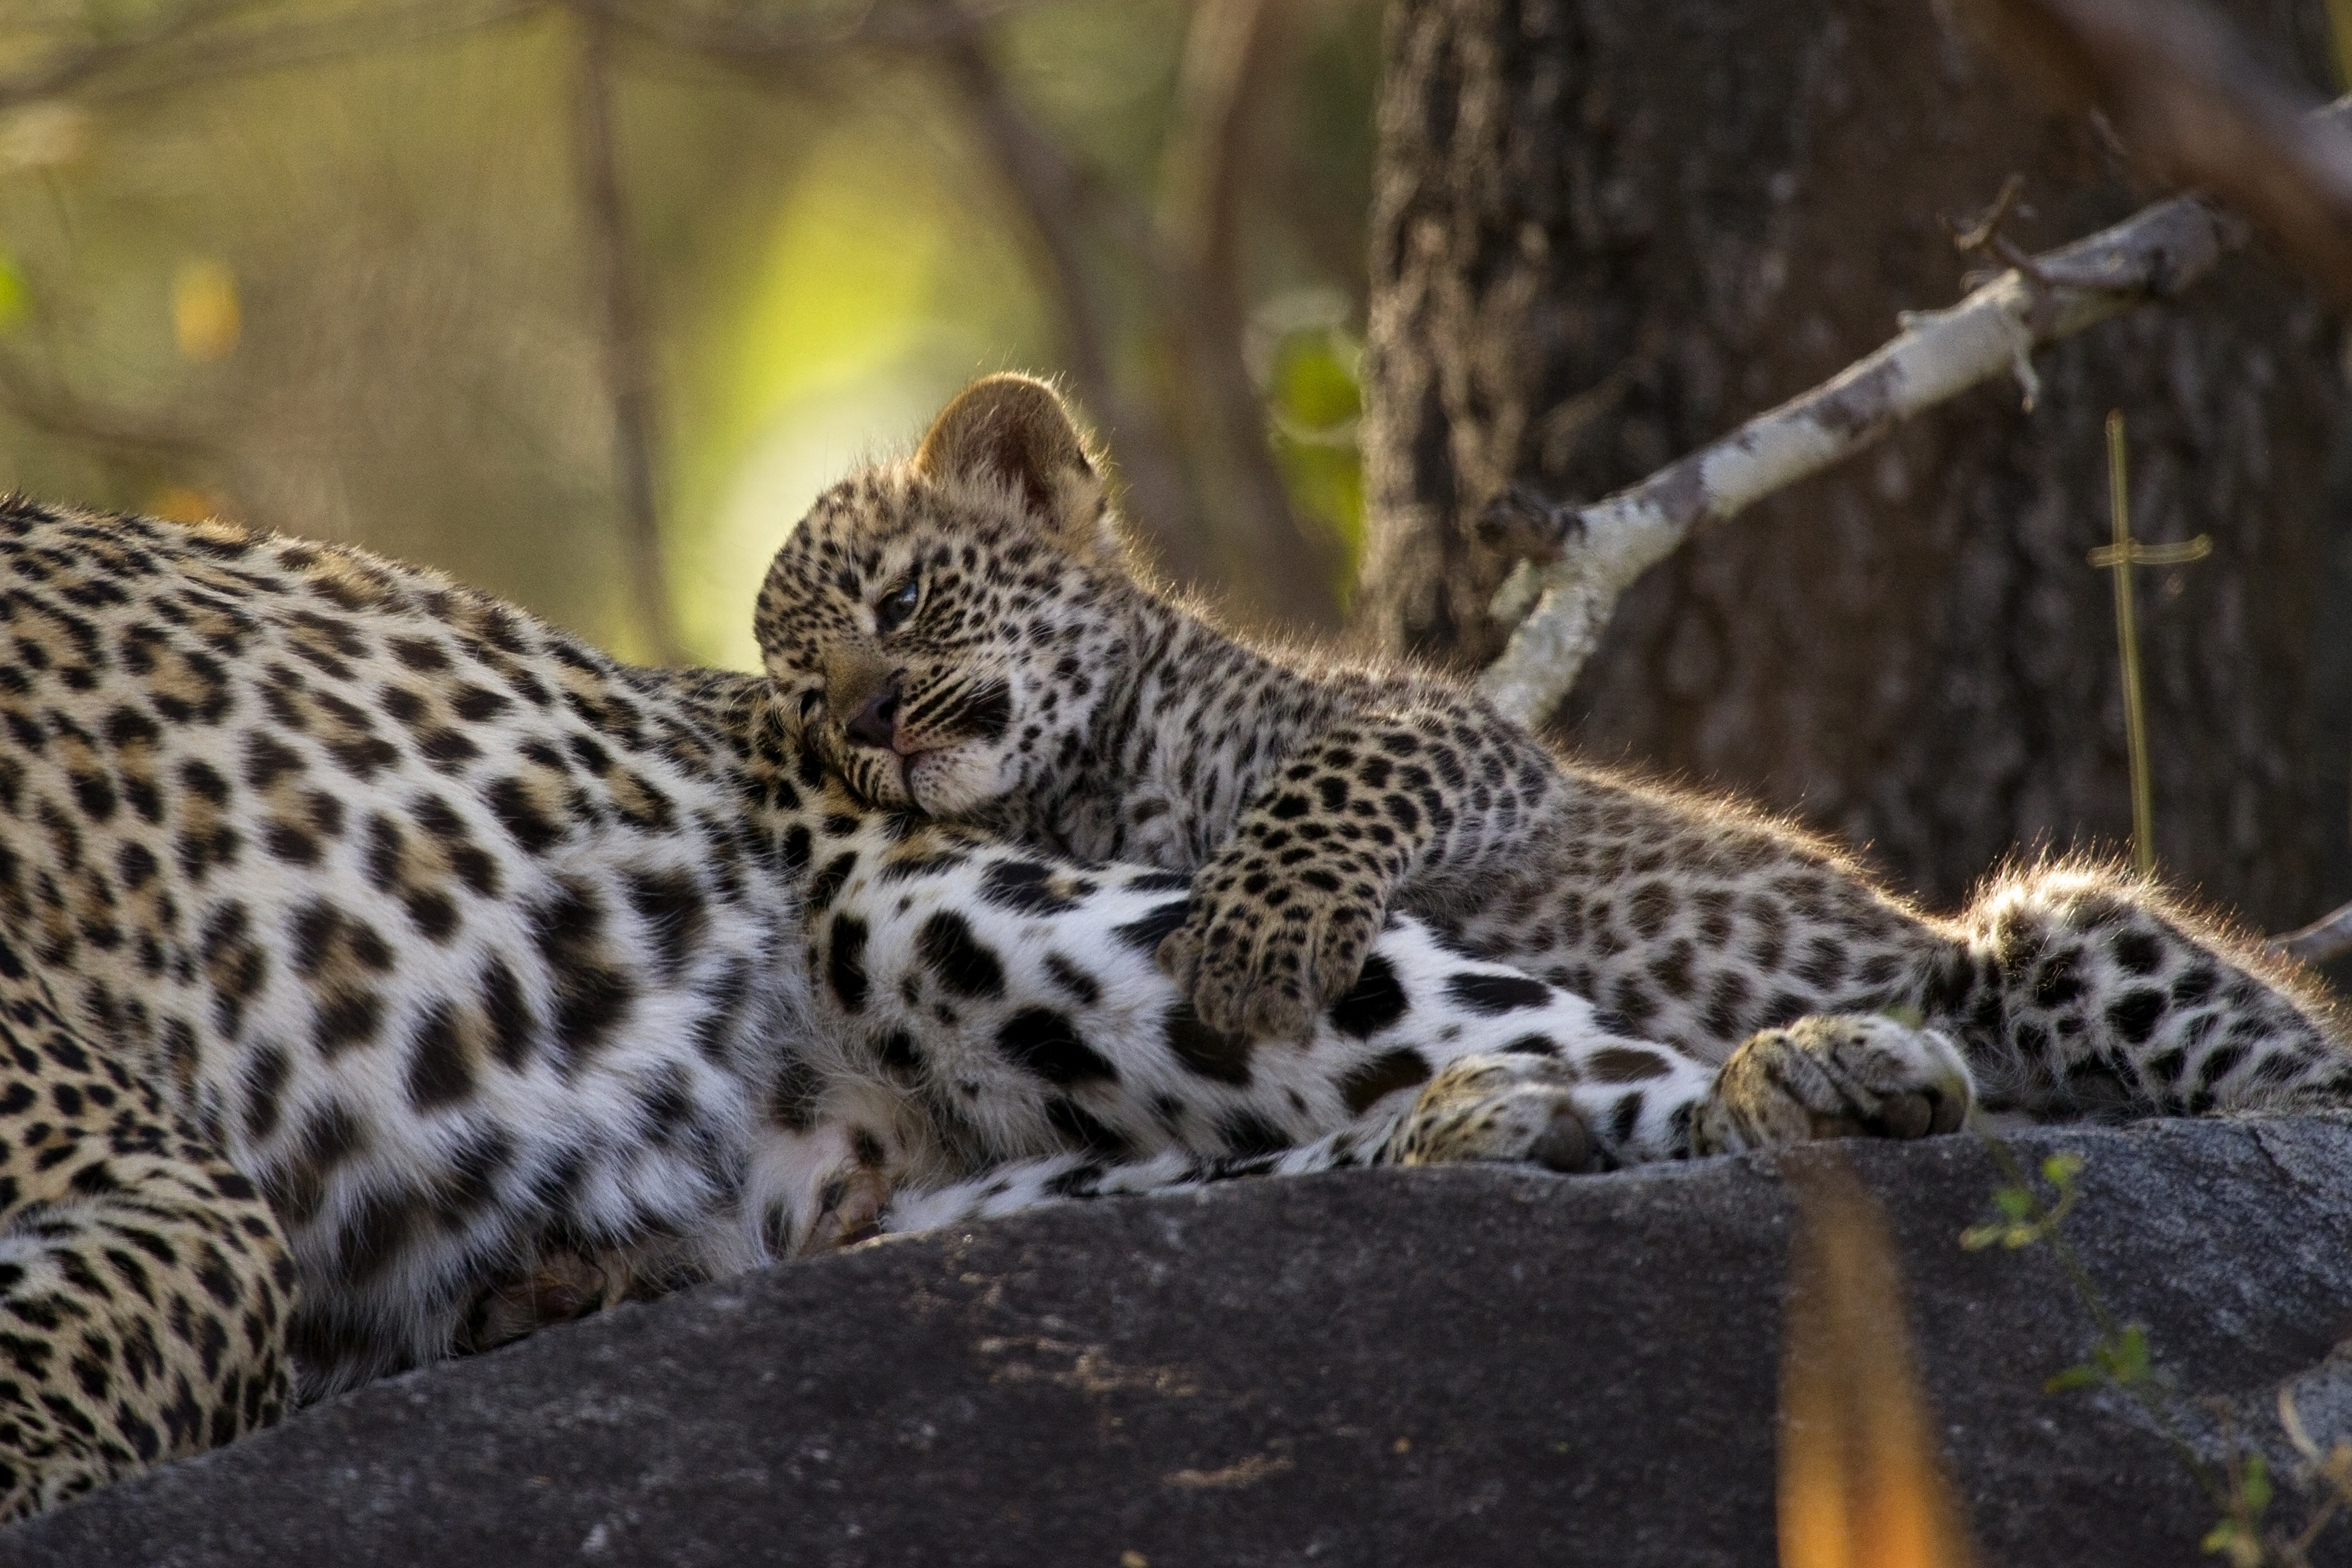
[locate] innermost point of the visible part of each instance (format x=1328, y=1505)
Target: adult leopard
x=369, y=946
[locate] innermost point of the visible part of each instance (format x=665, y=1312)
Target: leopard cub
x=966, y=637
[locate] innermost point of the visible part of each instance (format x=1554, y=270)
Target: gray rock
x=1446, y=1366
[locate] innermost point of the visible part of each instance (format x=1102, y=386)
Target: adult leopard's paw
x=1843, y=1075
x=823, y=1188
x=1265, y=947
x=559, y=1287
x=1504, y=1108
x=850, y=1206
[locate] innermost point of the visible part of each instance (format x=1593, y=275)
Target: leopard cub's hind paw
x=1502, y=1108
x=1841, y=1075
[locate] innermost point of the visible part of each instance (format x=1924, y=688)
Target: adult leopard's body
x=370, y=943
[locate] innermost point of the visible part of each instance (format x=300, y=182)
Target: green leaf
x=2255, y=1493
x=2016, y=1203
x=2060, y=1169
x=2084, y=1375
x=1976, y=1238
x=15, y=299
x=1315, y=379
x=2126, y=1354
x=2232, y=1539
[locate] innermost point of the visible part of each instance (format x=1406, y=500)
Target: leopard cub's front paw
x=1265, y=948
x=1843, y=1075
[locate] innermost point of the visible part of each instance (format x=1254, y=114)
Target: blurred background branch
x=2329, y=937
x=2190, y=103
x=1059, y=207
x=627, y=370
x=64, y=67
x=208, y=40
x=1232, y=50
x=48, y=407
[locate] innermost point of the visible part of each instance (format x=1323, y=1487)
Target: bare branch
x=190, y=50
x=2329, y=936
x=72, y=66
x=1228, y=51
x=912, y=26
x=1052, y=196
x=1257, y=548
x=51, y=408
x=1595, y=552
x=2192, y=105
x=1233, y=48
x=628, y=368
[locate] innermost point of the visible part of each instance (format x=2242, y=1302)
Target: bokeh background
x=343, y=270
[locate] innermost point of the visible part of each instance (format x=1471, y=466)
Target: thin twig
x=2120, y=556
x=1595, y=552
x=627, y=367
x=1980, y=234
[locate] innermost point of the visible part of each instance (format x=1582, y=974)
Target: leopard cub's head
x=942, y=626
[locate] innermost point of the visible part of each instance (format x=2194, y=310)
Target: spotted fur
x=144, y=1285
x=384, y=972
x=1307, y=797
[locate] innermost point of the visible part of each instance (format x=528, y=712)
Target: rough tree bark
x=1607, y=230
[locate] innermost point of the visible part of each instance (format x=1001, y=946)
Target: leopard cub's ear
x=1014, y=428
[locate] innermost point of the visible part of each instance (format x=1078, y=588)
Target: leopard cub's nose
x=876, y=723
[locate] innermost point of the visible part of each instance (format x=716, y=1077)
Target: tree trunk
x=1605, y=231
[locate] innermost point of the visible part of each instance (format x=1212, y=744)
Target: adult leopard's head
x=943, y=625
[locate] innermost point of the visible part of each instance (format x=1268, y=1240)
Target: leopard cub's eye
x=895, y=606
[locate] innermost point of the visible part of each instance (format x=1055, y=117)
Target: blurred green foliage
x=11, y=294
x=1316, y=399
x=320, y=265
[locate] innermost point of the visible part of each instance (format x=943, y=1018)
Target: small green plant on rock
x=2241, y=1486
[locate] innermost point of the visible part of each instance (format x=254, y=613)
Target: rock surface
x=1449, y=1366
